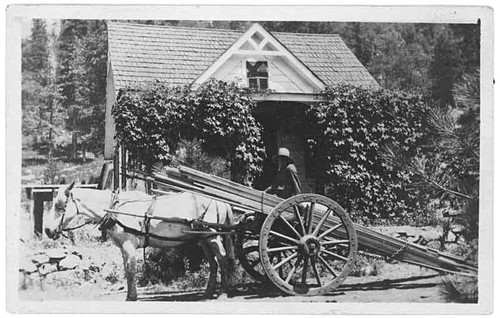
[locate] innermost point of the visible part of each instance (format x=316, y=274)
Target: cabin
x=292, y=66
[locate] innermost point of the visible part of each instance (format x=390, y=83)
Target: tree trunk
x=73, y=148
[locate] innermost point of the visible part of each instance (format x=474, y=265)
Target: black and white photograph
x=249, y=159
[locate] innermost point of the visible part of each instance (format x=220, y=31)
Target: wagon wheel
x=247, y=247
x=308, y=245
x=248, y=255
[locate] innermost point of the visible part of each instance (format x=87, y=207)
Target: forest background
x=64, y=65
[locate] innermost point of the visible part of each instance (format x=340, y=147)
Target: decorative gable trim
x=257, y=41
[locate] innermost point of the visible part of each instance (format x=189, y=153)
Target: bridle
x=60, y=228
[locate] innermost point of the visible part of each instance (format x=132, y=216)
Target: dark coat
x=286, y=183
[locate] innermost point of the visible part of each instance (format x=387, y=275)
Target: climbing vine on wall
x=150, y=121
x=347, y=133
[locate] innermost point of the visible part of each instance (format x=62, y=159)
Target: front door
x=284, y=127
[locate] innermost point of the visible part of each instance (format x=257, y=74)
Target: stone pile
x=50, y=261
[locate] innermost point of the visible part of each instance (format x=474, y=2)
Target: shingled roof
x=178, y=55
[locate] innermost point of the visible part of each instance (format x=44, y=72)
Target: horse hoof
x=222, y=296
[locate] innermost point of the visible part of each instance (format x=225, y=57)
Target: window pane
x=257, y=69
x=252, y=83
x=263, y=83
x=262, y=67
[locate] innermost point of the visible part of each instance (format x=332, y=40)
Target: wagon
x=304, y=245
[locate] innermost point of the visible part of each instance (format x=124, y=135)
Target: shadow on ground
x=261, y=291
x=401, y=283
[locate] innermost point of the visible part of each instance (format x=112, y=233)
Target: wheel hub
x=309, y=245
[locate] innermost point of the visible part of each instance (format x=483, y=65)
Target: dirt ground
x=402, y=285
x=100, y=277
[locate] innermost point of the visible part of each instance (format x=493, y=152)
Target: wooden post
x=41, y=193
x=40, y=196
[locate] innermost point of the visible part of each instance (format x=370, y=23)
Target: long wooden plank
x=369, y=240
x=216, y=194
x=225, y=185
x=211, y=193
x=229, y=186
x=387, y=246
x=259, y=201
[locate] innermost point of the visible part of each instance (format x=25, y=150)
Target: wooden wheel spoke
x=333, y=254
x=284, y=237
x=250, y=249
x=320, y=224
x=282, y=248
x=310, y=214
x=291, y=227
x=304, y=271
x=254, y=262
x=297, y=215
x=330, y=230
x=294, y=268
x=315, y=270
x=284, y=261
x=330, y=269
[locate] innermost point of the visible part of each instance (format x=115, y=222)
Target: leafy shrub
x=151, y=120
x=365, y=266
x=190, y=154
x=165, y=265
x=459, y=289
x=347, y=133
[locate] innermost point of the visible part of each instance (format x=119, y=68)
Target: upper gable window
x=257, y=74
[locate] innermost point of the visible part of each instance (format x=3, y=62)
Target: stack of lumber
x=190, y=180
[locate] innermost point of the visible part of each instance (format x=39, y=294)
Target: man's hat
x=283, y=152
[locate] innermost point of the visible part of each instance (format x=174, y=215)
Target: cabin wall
x=109, y=134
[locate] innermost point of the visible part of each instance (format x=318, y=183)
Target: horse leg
x=129, y=253
x=212, y=279
x=221, y=255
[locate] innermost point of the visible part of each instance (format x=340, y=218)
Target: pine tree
x=445, y=67
x=82, y=74
x=449, y=172
x=40, y=97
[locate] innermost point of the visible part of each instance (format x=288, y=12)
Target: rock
x=369, y=270
x=47, y=268
x=56, y=254
x=27, y=266
x=435, y=244
x=431, y=234
x=69, y=262
x=40, y=259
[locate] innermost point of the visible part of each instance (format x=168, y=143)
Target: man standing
x=286, y=183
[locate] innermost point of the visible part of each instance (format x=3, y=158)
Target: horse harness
x=111, y=220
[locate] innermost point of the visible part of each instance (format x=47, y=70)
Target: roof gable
x=144, y=53
x=257, y=41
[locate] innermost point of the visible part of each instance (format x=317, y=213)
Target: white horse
x=168, y=226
